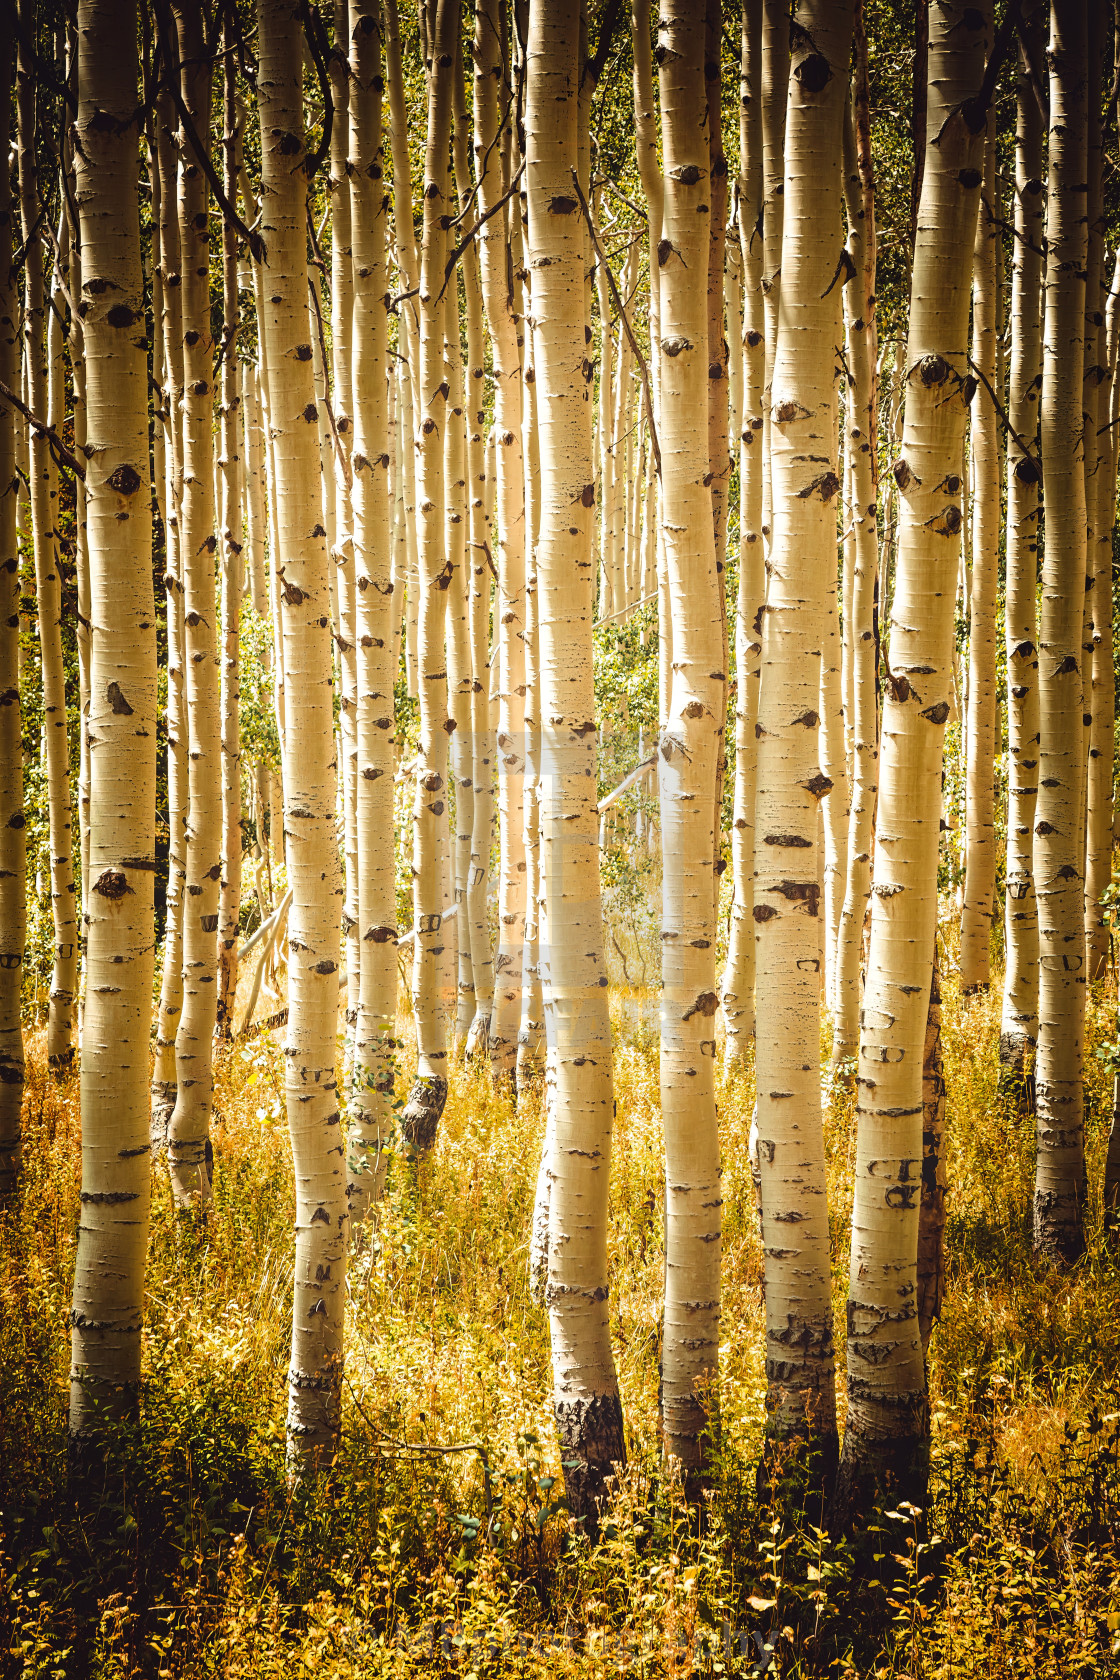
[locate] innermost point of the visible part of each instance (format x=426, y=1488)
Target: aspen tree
x=775, y=82
x=585, y=1387
x=164, y=1083
x=980, y=735
x=232, y=544
x=478, y=799
x=48, y=583
x=107, y=1311
x=1019, y=1021
x=189, y=1126
x=737, y=987
x=804, y=485
x=420, y=1117
x=689, y=752
x=719, y=455
x=13, y=862
x=859, y=610
x=300, y=559
x=884, y=1443
x=501, y=317
x=458, y=663
x=1100, y=492
x=370, y=1110
x=530, y=1037
x=1059, y=856
x=931, y=1221
x=342, y=552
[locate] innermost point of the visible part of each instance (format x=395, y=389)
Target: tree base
x=421, y=1114
x=797, y=1473
x=592, y=1447
x=1016, y=1077
x=878, y=1474
x=1059, y=1229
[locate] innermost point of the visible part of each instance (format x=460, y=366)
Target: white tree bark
x=430, y=1002
x=689, y=753
x=108, y=1300
x=370, y=1110
x=884, y=1444
x=1059, y=853
x=579, y=1076
x=13, y=868
x=805, y=487
x=48, y=587
x=300, y=560
x=188, y=1135
x=1019, y=1021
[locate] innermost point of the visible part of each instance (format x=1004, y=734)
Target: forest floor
x=185, y=1554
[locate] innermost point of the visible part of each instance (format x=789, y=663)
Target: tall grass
x=184, y=1553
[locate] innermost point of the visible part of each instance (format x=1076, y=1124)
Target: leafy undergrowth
x=181, y=1552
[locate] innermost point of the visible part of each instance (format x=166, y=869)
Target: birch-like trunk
x=300, y=559
x=48, y=584
x=188, y=1134
x=108, y=1300
x=737, y=987
x=885, y=1440
x=370, y=1110
x=502, y=319
x=791, y=784
x=13, y=864
x=689, y=753
x=1019, y=1021
x=1100, y=495
x=980, y=732
x=431, y=1006
x=859, y=609
x=170, y=330
x=1059, y=854
x=342, y=554
x=230, y=479
x=580, y=1095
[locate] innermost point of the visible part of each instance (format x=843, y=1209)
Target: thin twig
x=252, y=239
x=481, y=222
x=633, y=607
x=59, y=450
x=999, y=410
x=625, y=319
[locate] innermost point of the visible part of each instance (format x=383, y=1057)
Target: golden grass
x=445, y=1347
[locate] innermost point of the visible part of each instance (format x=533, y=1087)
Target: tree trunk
x=13, y=865
x=737, y=988
x=188, y=1136
x=232, y=539
x=1019, y=1021
x=171, y=346
x=420, y=1117
x=1100, y=493
x=530, y=1037
x=108, y=1298
x=342, y=556
x=859, y=610
x=931, y=1219
x=375, y=933
x=805, y=486
x=585, y=1386
x=689, y=753
x=300, y=558
x=502, y=318
x=1059, y=854
x=885, y=1442
x=980, y=734
x=48, y=587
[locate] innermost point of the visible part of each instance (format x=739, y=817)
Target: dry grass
x=190, y=1557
